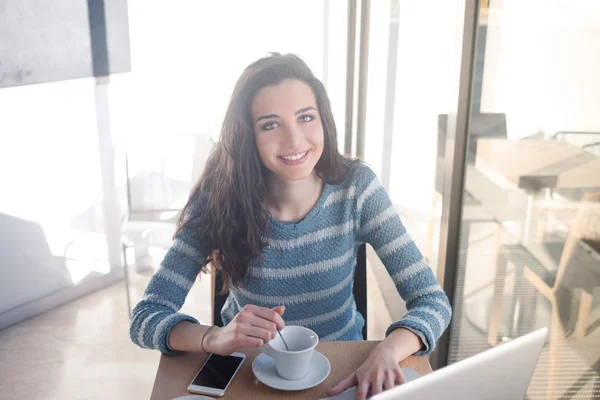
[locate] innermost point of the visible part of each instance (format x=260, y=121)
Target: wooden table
x=176, y=372
x=536, y=164
x=531, y=165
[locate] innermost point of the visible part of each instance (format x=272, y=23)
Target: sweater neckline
x=309, y=217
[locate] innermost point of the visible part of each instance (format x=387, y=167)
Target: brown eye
x=306, y=118
x=270, y=126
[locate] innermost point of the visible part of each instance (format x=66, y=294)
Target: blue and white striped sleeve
x=428, y=308
x=157, y=312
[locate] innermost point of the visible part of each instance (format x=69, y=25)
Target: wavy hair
x=227, y=205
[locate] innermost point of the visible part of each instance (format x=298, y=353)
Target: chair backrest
x=585, y=231
x=482, y=125
x=359, y=290
x=160, y=171
x=578, y=138
x=486, y=125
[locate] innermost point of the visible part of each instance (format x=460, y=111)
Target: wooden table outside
x=536, y=164
x=176, y=372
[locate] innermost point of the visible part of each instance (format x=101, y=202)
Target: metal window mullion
x=363, y=74
x=454, y=170
x=350, y=61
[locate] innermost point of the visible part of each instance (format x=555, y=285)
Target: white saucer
x=264, y=370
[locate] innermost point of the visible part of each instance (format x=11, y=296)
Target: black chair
x=359, y=290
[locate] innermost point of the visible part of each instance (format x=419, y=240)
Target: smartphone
x=216, y=374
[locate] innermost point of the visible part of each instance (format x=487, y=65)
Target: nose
x=293, y=136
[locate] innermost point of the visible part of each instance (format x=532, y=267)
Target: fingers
x=400, y=378
x=255, y=326
x=388, y=383
x=268, y=314
x=363, y=390
x=376, y=383
x=343, y=385
x=261, y=323
x=249, y=341
x=243, y=340
x=260, y=333
x=245, y=335
x=279, y=309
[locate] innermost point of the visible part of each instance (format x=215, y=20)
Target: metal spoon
x=281, y=336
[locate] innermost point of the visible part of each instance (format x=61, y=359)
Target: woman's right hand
x=251, y=327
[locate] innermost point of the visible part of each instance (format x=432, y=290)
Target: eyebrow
x=277, y=116
x=305, y=109
x=267, y=117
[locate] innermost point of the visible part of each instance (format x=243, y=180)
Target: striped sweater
x=308, y=267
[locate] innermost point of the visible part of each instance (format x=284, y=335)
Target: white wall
x=542, y=65
x=50, y=175
x=186, y=57
x=423, y=82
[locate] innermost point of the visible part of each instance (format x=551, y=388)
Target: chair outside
x=157, y=175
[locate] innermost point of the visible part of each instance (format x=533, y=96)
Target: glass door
x=510, y=91
x=411, y=45
x=529, y=250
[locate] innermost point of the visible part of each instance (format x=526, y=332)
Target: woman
x=282, y=213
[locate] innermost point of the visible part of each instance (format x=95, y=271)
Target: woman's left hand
x=381, y=371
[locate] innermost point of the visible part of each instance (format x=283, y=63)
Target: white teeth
x=294, y=158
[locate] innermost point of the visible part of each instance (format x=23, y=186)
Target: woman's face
x=288, y=129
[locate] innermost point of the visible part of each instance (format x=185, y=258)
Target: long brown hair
x=226, y=206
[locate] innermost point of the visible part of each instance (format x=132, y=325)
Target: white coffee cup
x=292, y=364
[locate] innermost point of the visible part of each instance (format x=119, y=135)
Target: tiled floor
x=82, y=350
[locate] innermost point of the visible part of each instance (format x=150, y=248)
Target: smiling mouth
x=295, y=157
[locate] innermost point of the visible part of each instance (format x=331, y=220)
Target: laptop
x=502, y=372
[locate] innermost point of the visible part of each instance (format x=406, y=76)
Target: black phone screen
x=217, y=371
